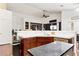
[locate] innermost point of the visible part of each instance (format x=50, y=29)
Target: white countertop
x=68, y=36
x=59, y=34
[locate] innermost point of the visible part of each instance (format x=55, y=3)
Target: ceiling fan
x=45, y=15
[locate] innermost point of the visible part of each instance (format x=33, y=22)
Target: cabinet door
x=27, y=43
x=47, y=26
x=44, y=40
x=24, y=46
x=33, y=42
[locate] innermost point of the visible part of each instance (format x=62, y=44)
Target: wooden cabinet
x=64, y=40
x=33, y=43
x=44, y=40
x=27, y=43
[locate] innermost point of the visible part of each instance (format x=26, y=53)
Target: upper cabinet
x=33, y=26
x=36, y=26
x=53, y=25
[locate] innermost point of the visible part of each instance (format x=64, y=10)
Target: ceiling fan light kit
x=44, y=14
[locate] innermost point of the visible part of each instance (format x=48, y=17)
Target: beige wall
x=3, y=6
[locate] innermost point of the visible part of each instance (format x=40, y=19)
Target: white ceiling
x=54, y=6
x=36, y=8
x=23, y=9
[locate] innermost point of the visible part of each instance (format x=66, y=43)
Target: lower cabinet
x=44, y=40
x=64, y=40
x=33, y=43
x=27, y=43
x=61, y=40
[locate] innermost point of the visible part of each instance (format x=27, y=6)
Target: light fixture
x=45, y=15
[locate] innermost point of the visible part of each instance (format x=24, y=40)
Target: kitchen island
x=32, y=42
x=42, y=38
